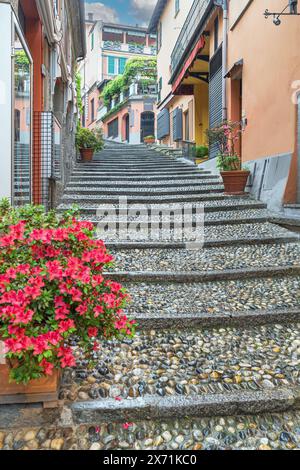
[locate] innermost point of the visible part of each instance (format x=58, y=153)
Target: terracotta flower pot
x=44, y=390
x=149, y=141
x=235, y=181
x=87, y=154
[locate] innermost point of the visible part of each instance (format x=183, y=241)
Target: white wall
x=5, y=101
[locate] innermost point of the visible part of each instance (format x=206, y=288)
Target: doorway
x=127, y=128
x=147, y=124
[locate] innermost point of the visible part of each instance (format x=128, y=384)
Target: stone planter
x=87, y=155
x=44, y=390
x=235, y=181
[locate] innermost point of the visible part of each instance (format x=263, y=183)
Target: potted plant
x=88, y=142
x=52, y=293
x=229, y=163
x=150, y=139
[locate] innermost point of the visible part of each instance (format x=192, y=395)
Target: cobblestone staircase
x=215, y=364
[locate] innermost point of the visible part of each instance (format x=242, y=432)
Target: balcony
x=190, y=30
x=131, y=48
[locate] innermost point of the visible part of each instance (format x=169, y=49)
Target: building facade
x=109, y=47
x=226, y=61
x=41, y=42
x=131, y=115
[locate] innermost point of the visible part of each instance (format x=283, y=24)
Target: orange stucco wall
x=271, y=66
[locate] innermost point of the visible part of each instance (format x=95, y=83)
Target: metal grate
x=46, y=157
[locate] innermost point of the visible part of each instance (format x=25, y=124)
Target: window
x=216, y=34
x=159, y=89
x=122, y=63
x=92, y=41
x=93, y=110
x=113, y=128
x=177, y=7
x=111, y=66
x=186, y=126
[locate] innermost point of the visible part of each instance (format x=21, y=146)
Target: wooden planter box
x=44, y=390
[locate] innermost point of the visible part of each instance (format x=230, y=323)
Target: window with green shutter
x=122, y=63
x=111, y=65
x=92, y=41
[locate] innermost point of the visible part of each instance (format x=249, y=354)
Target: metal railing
x=188, y=32
x=189, y=150
x=47, y=151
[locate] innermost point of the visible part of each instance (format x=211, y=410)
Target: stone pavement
x=215, y=362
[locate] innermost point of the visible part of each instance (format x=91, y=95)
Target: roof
x=159, y=8
x=77, y=11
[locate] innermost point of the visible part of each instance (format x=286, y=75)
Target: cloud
x=143, y=9
x=102, y=12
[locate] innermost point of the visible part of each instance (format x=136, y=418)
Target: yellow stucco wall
x=201, y=113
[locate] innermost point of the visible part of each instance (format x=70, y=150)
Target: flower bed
x=52, y=290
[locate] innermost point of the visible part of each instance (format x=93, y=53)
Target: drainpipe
x=224, y=58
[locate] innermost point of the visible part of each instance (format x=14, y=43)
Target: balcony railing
x=135, y=89
x=188, y=32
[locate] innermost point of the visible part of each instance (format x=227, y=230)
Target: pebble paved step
x=270, y=431
x=93, y=191
x=142, y=179
x=98, y=184
x=225, y=204
x=213, y=218
x=211, y=235
x=208, y=259
x=201, y=372
x=227, y=297
x=223, y=346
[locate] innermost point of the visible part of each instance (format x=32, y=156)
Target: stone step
x=194, y=238
x=270, y=431
x=226, y=299
x=166, y=173
x=199, y=372
x=190, y=276
x=152, y=199
x=142, y=191
x=208, y=259
x=143, y=179
x=103, y=183
x=133, y=166
x=217, y=206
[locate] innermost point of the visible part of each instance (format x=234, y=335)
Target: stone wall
x=268, y=178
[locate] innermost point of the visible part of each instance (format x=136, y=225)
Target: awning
x=235, y=73
x=189, y=62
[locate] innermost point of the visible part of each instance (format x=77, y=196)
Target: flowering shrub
x=226, y=136
x=52, y=289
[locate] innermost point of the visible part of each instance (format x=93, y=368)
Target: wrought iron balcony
x=189, y=31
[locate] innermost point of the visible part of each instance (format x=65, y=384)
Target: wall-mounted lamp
x=293, y=10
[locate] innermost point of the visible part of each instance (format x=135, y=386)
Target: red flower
x=47, y=367
x=65, y=326
x=93, y=332
x=98, y=311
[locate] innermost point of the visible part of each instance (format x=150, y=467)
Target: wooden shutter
x=177, y=125
x=163, y=124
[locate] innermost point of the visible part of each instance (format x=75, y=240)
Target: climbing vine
x=78, y=93
x=144, y=67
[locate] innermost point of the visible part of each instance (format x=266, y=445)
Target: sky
x=122, y=11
